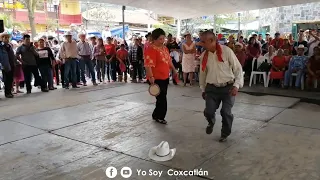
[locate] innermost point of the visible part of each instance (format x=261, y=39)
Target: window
x=50, y=7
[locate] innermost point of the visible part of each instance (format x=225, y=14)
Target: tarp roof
x=185, y=9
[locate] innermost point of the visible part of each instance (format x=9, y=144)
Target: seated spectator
x=270, y=54
x=240, y=53
x=313, y=67
x=287, y=55
x=287, y=46
x=296, y=65
x=278, y=66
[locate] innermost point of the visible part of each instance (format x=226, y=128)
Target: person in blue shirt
x=297, y=65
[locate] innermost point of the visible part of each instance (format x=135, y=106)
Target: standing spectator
x=69, y=54
x=260, y=39
x=313, y=67
x=188, y=57
x=253, y=50
x=7, y=60
x=106, y=32
x=100, y=55
x=122, y=56
x=45, y=62
x=313, y=42
x=301, y=41
x=277, y=42
x=135, y=59
x=85, y=53
x=111, y=60
x=28, y=55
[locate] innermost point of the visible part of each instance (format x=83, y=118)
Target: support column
x=56, y=4
x=123, y=28
x=149, y=24
x=239, y=23
x=178, y=28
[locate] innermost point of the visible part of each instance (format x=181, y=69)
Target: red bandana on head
x=206, y=54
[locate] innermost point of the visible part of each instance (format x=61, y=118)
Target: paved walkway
x=77, y=134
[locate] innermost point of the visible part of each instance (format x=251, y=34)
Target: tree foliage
x=9, y=21
x=52, y=24
x=31, y=6
x=167, y=28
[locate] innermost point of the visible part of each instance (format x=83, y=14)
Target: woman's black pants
x=161, y=105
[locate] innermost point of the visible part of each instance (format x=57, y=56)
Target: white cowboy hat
x=68, y=33
x=162, y=152
x=81, y=33
x=239, y=44
x=187, y=33
x=301, y=46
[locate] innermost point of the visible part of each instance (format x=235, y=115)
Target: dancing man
x=220, y=78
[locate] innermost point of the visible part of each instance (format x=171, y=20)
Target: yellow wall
x=70, y=7
x=41, y=27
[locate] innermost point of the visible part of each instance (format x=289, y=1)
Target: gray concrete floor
x=76, y=134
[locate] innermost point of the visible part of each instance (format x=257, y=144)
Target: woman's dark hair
x=26, y=36
x=109, y=38
x=55, y=41
x=147, y=35
x=255, y=45
x=100, y=39
x=157, y=33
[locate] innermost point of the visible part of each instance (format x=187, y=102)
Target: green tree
x=31, y=6
x=167, y=28
x=9, y=22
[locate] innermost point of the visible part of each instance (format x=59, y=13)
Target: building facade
x=68, y=12
x=288, y=19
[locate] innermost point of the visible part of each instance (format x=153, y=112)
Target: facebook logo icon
x=111, y=172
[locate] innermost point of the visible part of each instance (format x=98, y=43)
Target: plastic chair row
x=266, y=75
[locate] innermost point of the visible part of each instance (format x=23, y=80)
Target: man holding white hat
x=297, y=65
x=7, y=59
x=69, y=53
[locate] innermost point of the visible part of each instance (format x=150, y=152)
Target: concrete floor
x=77, y=134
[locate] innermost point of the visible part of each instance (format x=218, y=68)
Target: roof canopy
x=185, y=9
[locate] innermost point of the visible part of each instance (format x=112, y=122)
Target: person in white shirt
x=69, y=54
x=270, y=54
x=220, y=78
x=106, y=33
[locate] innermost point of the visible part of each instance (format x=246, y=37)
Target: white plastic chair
x=302, y=80
x=254, y=73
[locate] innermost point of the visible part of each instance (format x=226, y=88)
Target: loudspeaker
x=1, y=26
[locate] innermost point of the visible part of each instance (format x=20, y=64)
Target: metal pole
x=178, y=28
x=123, y=30
x=57, y=16
x=239, y=23
x=149, y=25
